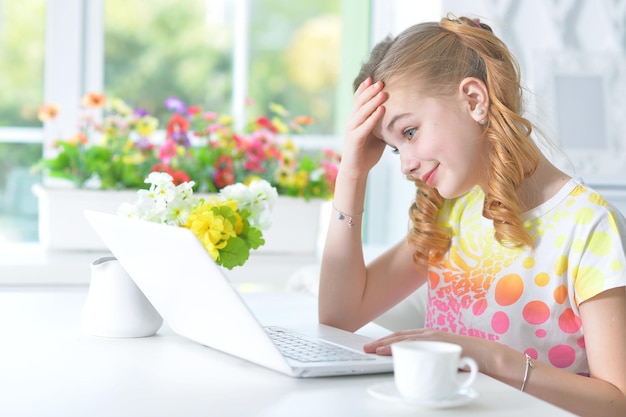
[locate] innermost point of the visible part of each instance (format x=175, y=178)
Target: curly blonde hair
x=438, y=56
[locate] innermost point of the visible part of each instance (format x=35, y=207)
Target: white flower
x=317, y=174
x=159, y=178
x=238, y=192
x=166, y=203
x=264, y=192
x=163, y=202
x=259, y=197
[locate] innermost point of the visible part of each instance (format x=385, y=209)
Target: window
x=170, y=48
x=287, y=53
x=21, y=82
x=210, y=52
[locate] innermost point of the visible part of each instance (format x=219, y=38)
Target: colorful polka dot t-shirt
x=528, y=299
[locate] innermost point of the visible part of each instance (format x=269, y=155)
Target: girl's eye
x=409, y=133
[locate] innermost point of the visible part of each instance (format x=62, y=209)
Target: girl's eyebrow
x=393, y=121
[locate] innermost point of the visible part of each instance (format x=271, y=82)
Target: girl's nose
x=409, y=165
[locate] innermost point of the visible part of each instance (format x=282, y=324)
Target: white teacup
x=429, y=371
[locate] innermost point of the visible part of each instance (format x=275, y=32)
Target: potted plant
x=117, y=146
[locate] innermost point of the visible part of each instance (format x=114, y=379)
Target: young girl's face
x=437, y=140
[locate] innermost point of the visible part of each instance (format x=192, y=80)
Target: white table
x=48, y=368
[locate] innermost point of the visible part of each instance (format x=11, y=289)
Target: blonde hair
x=437, y=57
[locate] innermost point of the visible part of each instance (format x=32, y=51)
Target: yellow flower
x=147, y=125
x=280, y=126
x=212, y=229
x=278, y=109
x=290, y=146
x=133, y=158
x=283, y=177
x=232, y=204
x=224, y=119
x=128, y=145
x=288, y=158
x=301, y=179
x=120, y=106
x=251, y=178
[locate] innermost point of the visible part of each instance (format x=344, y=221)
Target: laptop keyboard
x=306, y=349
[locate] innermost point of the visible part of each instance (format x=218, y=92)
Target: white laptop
x=196, y=299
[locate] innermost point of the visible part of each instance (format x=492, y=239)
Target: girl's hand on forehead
x=362, y=148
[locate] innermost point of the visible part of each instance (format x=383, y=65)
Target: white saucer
x=387, y=391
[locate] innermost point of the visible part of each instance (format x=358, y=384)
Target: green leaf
x=236, y=253
x=255, y=238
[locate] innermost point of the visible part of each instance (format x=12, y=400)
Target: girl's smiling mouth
x=429, y=177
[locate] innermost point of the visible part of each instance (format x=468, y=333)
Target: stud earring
x=482, y=122
x=479, y=111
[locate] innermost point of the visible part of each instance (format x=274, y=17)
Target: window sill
x=32, y=264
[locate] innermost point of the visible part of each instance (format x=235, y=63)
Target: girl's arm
x=350, y=294
x=601, y=394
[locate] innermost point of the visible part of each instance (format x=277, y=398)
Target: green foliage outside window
x=184, y=49
x=21, y=59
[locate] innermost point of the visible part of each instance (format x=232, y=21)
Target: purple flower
x=175, y=105
x=181, y=138
x=141, y=112
x=143, y=143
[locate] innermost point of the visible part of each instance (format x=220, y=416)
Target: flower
x=111, y=150
x=117, y=147
x=229, y=225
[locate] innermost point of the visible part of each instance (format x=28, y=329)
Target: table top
x=49, y=368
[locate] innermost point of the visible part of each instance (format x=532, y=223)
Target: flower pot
x=62, y=223
x=298, y=226
x=115, y=306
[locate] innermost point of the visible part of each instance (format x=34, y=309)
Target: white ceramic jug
x=115, y=306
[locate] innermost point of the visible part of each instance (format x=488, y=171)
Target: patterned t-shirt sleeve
x=602, y=260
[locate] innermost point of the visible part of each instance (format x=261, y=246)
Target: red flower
x=177, y=126
x=274, y=153
x=224, y=171
x=178, y=177
x=193, y=110
x=161, y=167
x=266, y=123
x=224, y=178
x=224, y=162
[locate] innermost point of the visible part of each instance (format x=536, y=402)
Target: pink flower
x=210, y=115
x=254, y=156
x=167, y=151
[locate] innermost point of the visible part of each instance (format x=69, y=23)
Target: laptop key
x=304, y=349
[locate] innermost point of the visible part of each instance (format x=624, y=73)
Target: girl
x=525, y=266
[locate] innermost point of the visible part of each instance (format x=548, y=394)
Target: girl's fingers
x=362, y=112
x=382, y=346
x=367, y=93
x=364, y=84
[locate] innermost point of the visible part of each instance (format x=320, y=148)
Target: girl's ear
x=474, y=93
